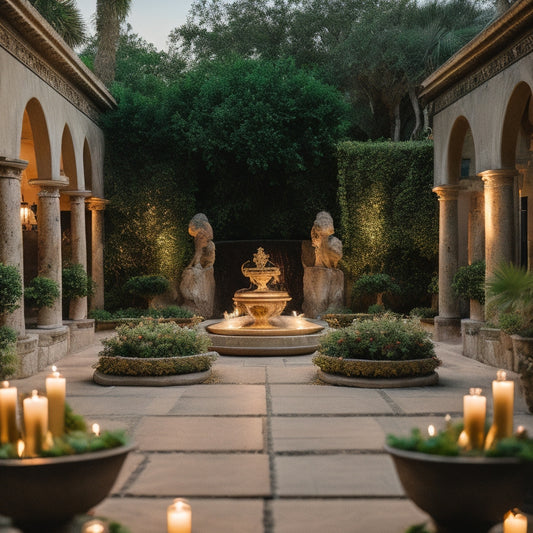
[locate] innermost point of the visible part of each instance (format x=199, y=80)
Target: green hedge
x=389, y=214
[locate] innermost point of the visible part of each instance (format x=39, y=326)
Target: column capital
x=79, y=194
x=471, y=185
x=447, y=192
x=12, y=168
x=96, y=204
x=498, y=177
x=58, y=183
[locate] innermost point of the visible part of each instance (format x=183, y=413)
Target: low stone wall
x=488, y=345
x=41, y=348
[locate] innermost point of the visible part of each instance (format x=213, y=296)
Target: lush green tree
x=261, y=134
x=375, y=51
x=65, y=17
x=110, y=14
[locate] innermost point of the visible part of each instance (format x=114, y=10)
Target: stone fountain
x=257, y=327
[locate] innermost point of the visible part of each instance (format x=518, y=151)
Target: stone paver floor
x=264, y=447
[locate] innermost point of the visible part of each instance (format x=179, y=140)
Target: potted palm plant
x=510, y=293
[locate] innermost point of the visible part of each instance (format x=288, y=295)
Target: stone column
x=448, y=322
x=49, y=240
x=499, y=217
x=97, y=207
x=11, y=230
x=78, y=306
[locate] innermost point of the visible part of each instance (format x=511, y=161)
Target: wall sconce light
x=28, y=216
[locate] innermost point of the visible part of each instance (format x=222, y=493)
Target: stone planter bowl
x=45, y=493
x=462, y=494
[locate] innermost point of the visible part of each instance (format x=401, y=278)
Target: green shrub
x=171, y=311
x=76, y=283
x=469, y=282
x=376, y=309
x=375, y=284
x=8, y=352
x=10, y=288
x=147, y=287
x=423, y=312
x=510, y=323
x=41, y=292
x=154, y=339
x=384, y=338
x=100, y=314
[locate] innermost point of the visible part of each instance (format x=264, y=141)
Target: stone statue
x=323, y=281
x=328, y=249
x=198, y=280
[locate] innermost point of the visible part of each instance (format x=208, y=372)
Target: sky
x=151, y=19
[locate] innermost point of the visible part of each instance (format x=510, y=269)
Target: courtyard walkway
x=266, y=448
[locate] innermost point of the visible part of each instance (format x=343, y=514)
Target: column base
x=447, y=328
x=470, y=334
x=81, y=333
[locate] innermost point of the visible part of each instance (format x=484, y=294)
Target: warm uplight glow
x=431, y=430
x=463, y=439
x=234, y=314
x=96, y=429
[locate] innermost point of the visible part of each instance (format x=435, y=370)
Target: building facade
x=51, y=172
x=482, y=108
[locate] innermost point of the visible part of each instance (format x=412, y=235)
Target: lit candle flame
x=96, y=429
x=5, y=384
x=475, y=391
x=501, y=375
x=20, y=447
x=94, y=526
x=463, y=440
x=431, y=430
x=34, y=394
x=448, y=419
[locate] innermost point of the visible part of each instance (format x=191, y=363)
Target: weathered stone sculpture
x=323, y=281
x=198, y=280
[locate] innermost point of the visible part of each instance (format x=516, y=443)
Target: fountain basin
x=288, y=335
x=262, y=306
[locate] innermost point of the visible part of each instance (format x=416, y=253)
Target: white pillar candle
x=503, y=398
x=474, y=410
x=35, y=423
x=8, y=414
x=515, y=522
x=179, y=517
x=55, y=391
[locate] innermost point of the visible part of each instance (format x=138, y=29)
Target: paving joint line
x=268, y=515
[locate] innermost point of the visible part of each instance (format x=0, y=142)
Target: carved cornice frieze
x=34, y=62
x=498, y=64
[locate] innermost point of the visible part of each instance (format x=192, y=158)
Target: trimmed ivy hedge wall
x=389, y=215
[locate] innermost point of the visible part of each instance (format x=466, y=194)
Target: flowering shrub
x=154, y=339
x=387, y=337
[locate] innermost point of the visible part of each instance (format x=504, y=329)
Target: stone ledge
x=379, y=383
x=150, y=381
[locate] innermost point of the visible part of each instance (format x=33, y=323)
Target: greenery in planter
x=10, y=288
x=147, y=287
x=445, y=443
x=75, y=282
x=401, y=345
x=387, y=337
x=510, y=292
x=153, y=339
x=76, y=439
x=8, y=352
x=375, y=284
x=469, y=282
x=41, y=292
x=376, y=309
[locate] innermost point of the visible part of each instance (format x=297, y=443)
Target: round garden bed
x=153, y=372
x=377, y=374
